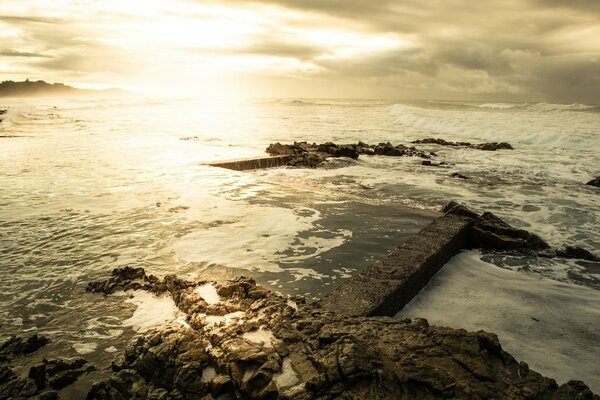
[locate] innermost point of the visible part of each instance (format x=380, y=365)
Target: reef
x=491, y=146
x=254, y=344
x=304, y=154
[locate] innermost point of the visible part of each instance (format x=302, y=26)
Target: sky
x=507, y=50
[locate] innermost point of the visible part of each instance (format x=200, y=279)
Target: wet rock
x=492, y=146
x=304, y=154
x=429, y=163
x=321, y=355
x=594, y=182
x=458, y=175
x=16, y=346
x=14, y=387
x=61, y=372
x=126, y=278
x=490, y=232
x=577, y=252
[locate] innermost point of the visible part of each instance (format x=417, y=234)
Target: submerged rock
x=274, y=349
x=594, y=182
x=16, y=346
x=43, y=378
x=491, y=146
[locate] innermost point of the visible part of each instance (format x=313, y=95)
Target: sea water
x=90, y=185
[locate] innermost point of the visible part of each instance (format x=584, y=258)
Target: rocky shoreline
x=238, y=340
x=254, y=344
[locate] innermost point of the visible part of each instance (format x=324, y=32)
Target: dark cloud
x=580, y=5
x=14, y=53
x=280, y=48
x=18, y=19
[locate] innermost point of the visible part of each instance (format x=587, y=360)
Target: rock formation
x=253, y=344
x=304, y=154
x=44, y=378
x=491, y=146
x=594, y=182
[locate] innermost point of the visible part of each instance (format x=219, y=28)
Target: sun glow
x=185, y=47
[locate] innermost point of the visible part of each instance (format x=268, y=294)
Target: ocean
x=87, y=185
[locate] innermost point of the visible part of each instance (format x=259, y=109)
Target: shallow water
x=89, y=185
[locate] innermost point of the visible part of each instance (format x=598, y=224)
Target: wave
x=540, y=107
x=553, y=125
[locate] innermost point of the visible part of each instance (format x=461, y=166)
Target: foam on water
x=209, y=293
x=151, y=312
x=549, y=125
x=265, y=235
x=287, y=377
x=553, y=326
x=259, y=336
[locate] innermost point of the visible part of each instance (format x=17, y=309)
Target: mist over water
x=90, y=185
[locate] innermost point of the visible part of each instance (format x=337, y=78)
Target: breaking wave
x=540, y=124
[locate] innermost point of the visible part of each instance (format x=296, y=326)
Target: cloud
x=14, y=53
x=540, y=49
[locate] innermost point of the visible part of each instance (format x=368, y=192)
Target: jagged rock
x=126, y=278
x=489, y=232
x=55, y=373
x=15, y=346
x=61, y=372
x=594, y=182
x=492, y=146
x=304, y=154
x=311, y=353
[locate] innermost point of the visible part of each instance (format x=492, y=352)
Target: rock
x=594, y=182
x=15, y=346
x=577, y=252
x=429, y=163
x=492, y=146
x=305, y=154
x=460, y=176
x=320, y=354
x=61, y=372
x=126, y=278
x=489, y=232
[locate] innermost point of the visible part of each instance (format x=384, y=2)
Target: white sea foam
x=548, y=125
x=151, y=312
x=287, y=377
x=260, y=336
x=85, y=348
x=257, y=237
x=209, y=293
x=553, y=326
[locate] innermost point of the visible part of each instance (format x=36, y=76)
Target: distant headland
x=39, y=88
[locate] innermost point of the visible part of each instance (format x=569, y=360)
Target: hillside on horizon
x=41, y=88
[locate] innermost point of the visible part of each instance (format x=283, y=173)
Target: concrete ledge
x=389, y=284
x=253, y=163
